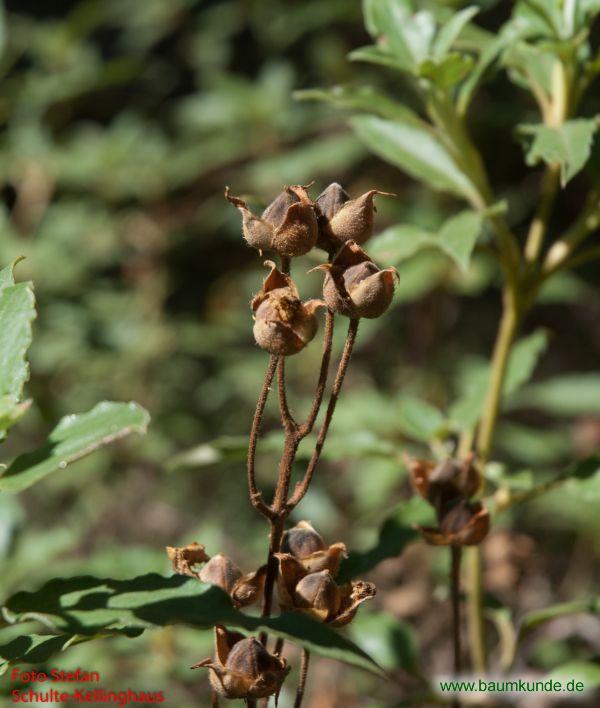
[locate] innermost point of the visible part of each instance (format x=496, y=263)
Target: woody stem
x=302, y=680
x=302, y=487
x=455, y=591
x=255, y=496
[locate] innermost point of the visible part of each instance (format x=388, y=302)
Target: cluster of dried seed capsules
x=291, y=226
x=242, y=667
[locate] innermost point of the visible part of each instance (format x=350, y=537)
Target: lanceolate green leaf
x=450, y=31
x=89, y=606
x=360, y=98
x=17, y=312
x=413, y=146
x=534, y=619
x=570, y=145
x=459, y=235
x=74, y=437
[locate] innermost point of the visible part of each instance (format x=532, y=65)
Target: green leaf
x=74, y=437
x=566, y=395
x=408, y=34
x=391, y=642
x=451, y=30
x=419, y=419
x=459, y=235
x=414, y=147
x=398, y=243
x=486, y=59
x=377, y=55
x=532, y=620
x=361, y=98
x=586, y=672
x=10, y=413
x=570, y=145
x=396, y=532
x=17, y=312
x=38, y=648
x=446, y=72
x=466, y=410
x=88, y=606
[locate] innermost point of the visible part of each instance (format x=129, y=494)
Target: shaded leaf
x=568, y=394
x=398, y=243
x=413, y=146
x=89, y=606
x=74, y=437
x=390, y=641
x=532, y=620
x=570, y=145
x=395, y=533
x=419, y=419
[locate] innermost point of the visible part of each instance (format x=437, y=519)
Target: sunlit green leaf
x=451, y=29
x=446, y=72
x=532, y=620
x=361, y=98
x=569, y=145
x=414, y=147
x=17, y=312
x=419, y=419
x=88, y=606
x=74, y=437
x=459, y=234
x=391, y=642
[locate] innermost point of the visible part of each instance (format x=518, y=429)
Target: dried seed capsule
x=243, y=668
x=464, y=524
x=283, y=324
x=318, y=594
x=222, y=572
x=287, y=226
x=445, y=482
x=343, y=219
x=302, y=540
x=249, y=588
x=354, y=286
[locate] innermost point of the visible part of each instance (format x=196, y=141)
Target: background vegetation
x=121, y=123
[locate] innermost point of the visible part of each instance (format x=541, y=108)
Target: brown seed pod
x=343, y=219
x=249, y=588
x=444, y=482
x=307, y=546
x=354, y=286
x=464, y=524
x=317, y=594
x=243, y=668
x=283, y=324
x=287, y=226
x=222, y=572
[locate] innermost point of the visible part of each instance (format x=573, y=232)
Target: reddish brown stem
x=302, y=680
x=455, y=593
x=277, y=526
x=302, y=487
x=306, y=428
x=287, y=419
x=255, y=495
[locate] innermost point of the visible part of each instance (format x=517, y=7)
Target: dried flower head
x=306, y=583
x=354, y=286
x=317, y=594
x=308, y=547
x=448, y=487
x=283, y=324
x=185, y=558
x=343, y=219
x=243, y=668
x=287, y=226
x=244, y=589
